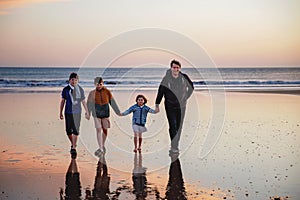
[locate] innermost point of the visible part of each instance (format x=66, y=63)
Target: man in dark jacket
x=176, y=87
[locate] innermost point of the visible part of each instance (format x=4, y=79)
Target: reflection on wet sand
x=175, y=188
x=73, y=186
x=101, y=184
x=139, y=177
x=141, y=189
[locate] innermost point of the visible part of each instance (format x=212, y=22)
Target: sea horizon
x=52, y=79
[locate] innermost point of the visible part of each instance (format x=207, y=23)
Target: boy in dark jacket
x=72, y=98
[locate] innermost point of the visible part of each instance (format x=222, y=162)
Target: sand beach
x=256, y=155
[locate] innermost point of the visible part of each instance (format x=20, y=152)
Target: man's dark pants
x=175, y=117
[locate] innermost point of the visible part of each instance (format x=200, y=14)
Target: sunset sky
x=233, y=32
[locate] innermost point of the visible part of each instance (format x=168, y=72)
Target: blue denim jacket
x=139, y=116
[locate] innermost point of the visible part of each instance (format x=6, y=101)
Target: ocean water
x=46, y=79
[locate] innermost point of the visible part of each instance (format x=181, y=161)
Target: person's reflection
x=73, y=186
x=102, y=181
x=139, y=178
x=175, y=188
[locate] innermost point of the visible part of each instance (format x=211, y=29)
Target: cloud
x=7, y=5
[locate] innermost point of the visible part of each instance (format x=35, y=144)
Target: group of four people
x=176, y=87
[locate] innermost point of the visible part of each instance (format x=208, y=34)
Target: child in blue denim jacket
x=139, y=117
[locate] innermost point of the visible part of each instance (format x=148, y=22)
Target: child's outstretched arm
x=153, y=111
x=128, y=111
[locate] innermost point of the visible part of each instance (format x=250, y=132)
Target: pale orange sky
x=234, y=33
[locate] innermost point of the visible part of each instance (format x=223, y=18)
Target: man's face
x=175, y=70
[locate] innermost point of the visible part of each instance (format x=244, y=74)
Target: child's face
x=140, y=101
x=73, y=81
x=99, y=86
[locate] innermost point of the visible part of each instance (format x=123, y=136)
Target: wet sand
x=256, y=155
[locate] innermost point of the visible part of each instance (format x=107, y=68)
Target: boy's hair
x=141, y=96
x=175, y=62
x=98, y=80
x=73, y=75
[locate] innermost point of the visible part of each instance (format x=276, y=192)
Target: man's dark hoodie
x=175, y=90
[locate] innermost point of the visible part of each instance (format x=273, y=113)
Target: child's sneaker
x=73, y=153
x=140, y=150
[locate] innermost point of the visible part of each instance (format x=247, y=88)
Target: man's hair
x=98, y=80
x=73, y=75
x=141, y=96
x=176, y=62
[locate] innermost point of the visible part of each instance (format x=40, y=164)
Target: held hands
x=156, y=108
x=87, y=116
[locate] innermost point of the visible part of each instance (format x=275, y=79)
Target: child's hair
x=73, y=75
x=141, y=96
x=98, y=80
